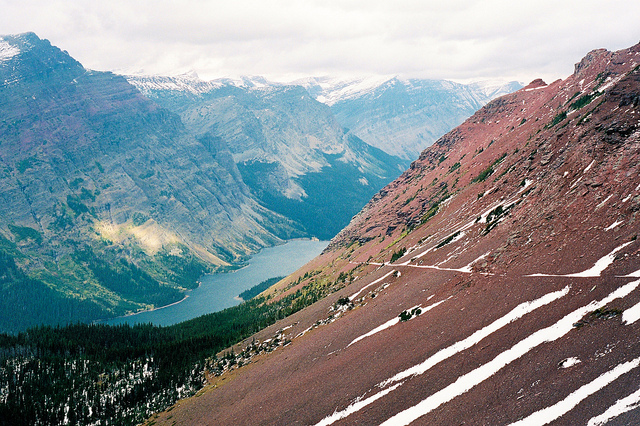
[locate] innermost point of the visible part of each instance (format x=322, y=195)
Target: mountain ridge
x=398, y=115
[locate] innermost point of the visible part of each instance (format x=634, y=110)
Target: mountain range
x=118, y=192
x=403, y=116
x=496, y=281
x=289, y=149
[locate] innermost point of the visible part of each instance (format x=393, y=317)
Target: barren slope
x=516, y=236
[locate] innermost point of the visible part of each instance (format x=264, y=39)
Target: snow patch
x=613, y=225
x=354, y=295
x=378, y=329
x=569, y=362
x=7, y=51
x=632, y=314
x=515, y=314
x=527, y=183
x=620, y=407
x=611, y=83
x=356, y=406
x=589, y=166
x=595, y=271
x=635, y=274
x=396, y=320
x=470, y=264
x=604, y=202
x=448, y=352
x=549, y=414
x=575, y=183
x=468, y=381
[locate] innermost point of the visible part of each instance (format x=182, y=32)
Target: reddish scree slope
x=542, y=181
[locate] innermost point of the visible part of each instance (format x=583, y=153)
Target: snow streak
x=354, y=295
x=595, y=271
x=516, y=313
x=613, y=225
x=632, y=314
x=356, y=406
x=620, y=407
x=457, y=347
x=551, y=413
x=466, y=382
x=395, y=321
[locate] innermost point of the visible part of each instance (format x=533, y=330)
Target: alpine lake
x=220, y=290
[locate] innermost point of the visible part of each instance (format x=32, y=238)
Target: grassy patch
x=489, y=170
x=398, y=254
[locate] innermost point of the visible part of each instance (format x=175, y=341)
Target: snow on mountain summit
x=7, y=51
x=330, y=90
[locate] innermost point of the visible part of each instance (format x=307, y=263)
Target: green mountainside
x=107, y=203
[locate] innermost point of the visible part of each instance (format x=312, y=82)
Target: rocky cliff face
x=92, y=171
x=494, y=282
x=290, y=150
x=403, y=116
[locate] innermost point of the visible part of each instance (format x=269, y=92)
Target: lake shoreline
x=213, y=291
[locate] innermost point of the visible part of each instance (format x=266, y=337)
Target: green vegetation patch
x=126, y=279
x=21, y=293
x=455, y=167
x=99, y=374
x=76, y=205
x=430, y=213
x=147, y=174
x=489, y=170
x=561, y=116
x=584, y=100
x=75, y=184
x=22, y=233
x=259, y=288
x=123, y=374
x=407, y=315
x=495, y=216
x=26, y=163
x=139, y=218
x=398, y=254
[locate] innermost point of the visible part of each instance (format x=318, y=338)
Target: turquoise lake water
x=219, y=291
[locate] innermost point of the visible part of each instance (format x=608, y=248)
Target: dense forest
x=41, y=296
x=115, y=375
x=259, y=288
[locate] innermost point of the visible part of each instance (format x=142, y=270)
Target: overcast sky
x=284, y=39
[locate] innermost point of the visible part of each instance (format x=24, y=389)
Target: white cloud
x=456, y=39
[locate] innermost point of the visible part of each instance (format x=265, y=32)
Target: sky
x=460, y=40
